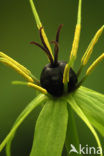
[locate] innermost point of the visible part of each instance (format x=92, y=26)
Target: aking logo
x=85, y=150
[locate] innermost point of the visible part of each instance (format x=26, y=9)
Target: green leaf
x=50, y=129
x=92, y=104
x=71, y=135
x=38, y=100
x=81, y=114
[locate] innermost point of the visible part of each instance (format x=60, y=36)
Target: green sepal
x=79, y=111
x=50, y=130
x=72, y=134
x=92, y=104
x=32, y=105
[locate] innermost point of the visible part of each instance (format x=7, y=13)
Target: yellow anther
x=47, y=42
x=66, y=74
x=16, y=68
x=2, y=55
x=75, y=44
x=39, y=25
x=94, y=64
x=75, y=41
x=89, y=50
x=42, y=90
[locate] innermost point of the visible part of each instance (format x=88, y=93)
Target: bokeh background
x=17, y=29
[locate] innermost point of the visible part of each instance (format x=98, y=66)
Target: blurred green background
x=17, y=29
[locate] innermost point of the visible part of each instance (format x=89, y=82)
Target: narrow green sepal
x=92, y=104
x=72, y=133
x=79, y=111
x=50, y=130
x=37, y=101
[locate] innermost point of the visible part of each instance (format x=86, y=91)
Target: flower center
x=52, y=79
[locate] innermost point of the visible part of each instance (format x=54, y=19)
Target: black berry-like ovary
x=52, y=79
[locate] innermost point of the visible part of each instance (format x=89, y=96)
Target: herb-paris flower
x=53, y=124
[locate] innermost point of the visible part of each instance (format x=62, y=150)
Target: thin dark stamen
x=43, y=48
x=58, y=32
x=56, y=50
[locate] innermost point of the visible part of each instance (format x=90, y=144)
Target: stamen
x=45, y=44
x=94, y=64
x=58, y=32
x=42, y=39
x=2, y=55
x=66, y=77
x=75, y=44
x=89, y=50
x=42, y=90
x=56, y=50
x=91, y=68
x=39, y=25
x=20, y=71
x=19, y=66
x=66, y=74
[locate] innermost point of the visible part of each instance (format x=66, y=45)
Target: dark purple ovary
x=52, y=79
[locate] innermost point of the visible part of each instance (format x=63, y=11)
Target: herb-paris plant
x=61, y=93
